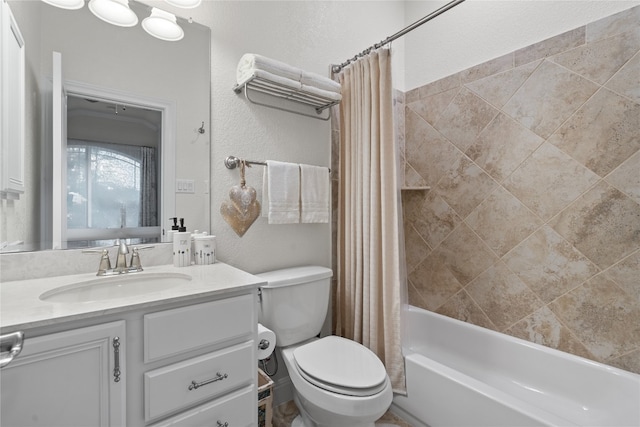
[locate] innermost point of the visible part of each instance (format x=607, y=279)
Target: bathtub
x=459, y=374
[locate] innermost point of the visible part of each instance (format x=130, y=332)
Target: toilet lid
x=341, y=365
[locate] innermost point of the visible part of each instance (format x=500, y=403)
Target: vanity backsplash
x=35, y=265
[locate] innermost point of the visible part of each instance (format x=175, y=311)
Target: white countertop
x=21, y=307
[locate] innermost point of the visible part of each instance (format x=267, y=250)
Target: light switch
x=185, y=186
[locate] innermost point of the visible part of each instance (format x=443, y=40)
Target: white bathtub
x=459, y=374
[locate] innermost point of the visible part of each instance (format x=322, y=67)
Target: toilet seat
x=341, y=366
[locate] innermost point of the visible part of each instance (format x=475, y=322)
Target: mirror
x=127, y=64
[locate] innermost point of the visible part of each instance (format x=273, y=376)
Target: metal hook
x=201, y=129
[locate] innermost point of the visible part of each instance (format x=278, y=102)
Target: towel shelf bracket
x=274, y=89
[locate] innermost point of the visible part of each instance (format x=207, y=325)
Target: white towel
x=321, y=93
x=281, y=192
x=321, y=82
x=314, y=194
x=272, y=81
x=250, y=62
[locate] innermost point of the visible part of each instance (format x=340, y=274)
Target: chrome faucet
x=121, y=260
x=104, y=269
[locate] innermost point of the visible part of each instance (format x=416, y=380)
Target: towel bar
x=277, y=90
x=232, y=162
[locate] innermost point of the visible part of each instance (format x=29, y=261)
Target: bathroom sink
x=113, y=287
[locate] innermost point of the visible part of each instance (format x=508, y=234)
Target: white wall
x=479, y=30
x=307, y=34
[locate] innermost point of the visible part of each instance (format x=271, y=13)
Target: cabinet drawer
x=183, y=384
x=238, y=409
x=172, y=332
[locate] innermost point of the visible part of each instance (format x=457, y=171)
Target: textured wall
x=532, y=223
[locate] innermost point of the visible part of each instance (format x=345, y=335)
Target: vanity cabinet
x=222, y=381
x=71, y=378
x=189, y=363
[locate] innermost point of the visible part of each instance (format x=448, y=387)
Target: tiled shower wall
x=532, y=223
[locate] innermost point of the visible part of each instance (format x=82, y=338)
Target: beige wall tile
x=626, y=82
x=446, y=83
x=428, y=152
x=465, y=186
x=502, y=221
x=465, y=255
x=581, y=268
x=462, y=307
x=627, y=177
x=494, y=66
x=626, y=274
x=549, y=264
x=416, y=248
x=549, y=96
x=502, y=147
x=503, y=297
x=549, y=180
x=543, y=327
x=464, y=118
x=600, y=60
x=621, y=22
x=433, y=281
x=602, y=316
x=603, y=224
x=431, y=107
x=603, y=133
x=435, y=219
x=551, y=46
x=497, y=89
x=628, y=362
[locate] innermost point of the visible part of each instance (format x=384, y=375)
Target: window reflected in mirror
x=112, y=173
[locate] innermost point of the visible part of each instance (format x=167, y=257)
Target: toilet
x=337, y=382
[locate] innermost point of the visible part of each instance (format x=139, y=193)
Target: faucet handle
x=105, y=262
x=135, y=263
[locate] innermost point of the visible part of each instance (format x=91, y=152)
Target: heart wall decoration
x=243, y=208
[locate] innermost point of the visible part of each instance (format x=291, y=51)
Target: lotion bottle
x=182, y=246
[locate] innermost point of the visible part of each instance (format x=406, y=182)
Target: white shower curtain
x=369, y=288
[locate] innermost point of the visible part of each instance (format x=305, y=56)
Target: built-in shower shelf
x=418, y=188
x=274, y=89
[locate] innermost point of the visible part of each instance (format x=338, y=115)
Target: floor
x=285, y=413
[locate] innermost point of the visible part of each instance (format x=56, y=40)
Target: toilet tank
x=294, y=302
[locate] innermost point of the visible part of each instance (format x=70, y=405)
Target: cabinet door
x=67, y=379
x=12, y=102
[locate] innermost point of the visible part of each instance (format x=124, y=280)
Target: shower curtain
x=369, y=276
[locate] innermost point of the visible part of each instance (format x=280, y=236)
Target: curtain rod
x=429, y=17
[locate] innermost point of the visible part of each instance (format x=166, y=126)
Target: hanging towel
x=250, y=62
x=321, y=82
x=281, y=192
x=314, y=194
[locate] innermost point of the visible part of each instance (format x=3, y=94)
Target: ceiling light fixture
x=162, y=25
x=66, y=4
x=116, y=12
x=187, y=4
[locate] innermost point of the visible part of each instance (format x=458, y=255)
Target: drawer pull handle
x=219, y=377
x=10, y=347
x=222, y=425
x=116, y=356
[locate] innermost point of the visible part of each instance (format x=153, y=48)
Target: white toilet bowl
x=337, y=383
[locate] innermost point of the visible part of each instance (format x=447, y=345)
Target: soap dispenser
x=174, y=229
x=182, y=246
